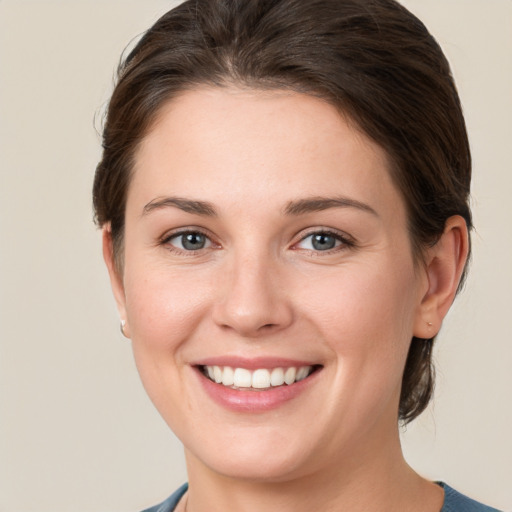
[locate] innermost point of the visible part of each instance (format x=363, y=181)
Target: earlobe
x=444, y=266
x=116, y=279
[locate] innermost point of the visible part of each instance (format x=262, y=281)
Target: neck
x=372, y=478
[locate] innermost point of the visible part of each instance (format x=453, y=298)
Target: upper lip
x=252, y=363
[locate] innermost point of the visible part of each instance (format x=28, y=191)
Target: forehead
x=271, y=145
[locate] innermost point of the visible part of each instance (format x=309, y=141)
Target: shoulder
x=170, y=503
x=456, y=502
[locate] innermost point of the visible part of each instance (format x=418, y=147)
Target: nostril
x=252, y=311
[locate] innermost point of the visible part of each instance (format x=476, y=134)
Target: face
x=268, y=286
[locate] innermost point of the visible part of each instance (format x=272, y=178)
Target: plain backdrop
x=77, y=432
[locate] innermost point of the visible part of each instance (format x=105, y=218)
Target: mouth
x=260, y=379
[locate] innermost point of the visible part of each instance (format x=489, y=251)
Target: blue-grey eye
x=191, y=241
x=320, y=242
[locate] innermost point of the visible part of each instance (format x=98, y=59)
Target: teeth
x=261, y=379
x=302, y=373
x=242, y=378
x=277, y=377
x=258, y=379
x=289, y=375
x=228, y=376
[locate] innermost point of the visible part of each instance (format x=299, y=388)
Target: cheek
x=163, y=306
x=164, y=309
x=366, y=316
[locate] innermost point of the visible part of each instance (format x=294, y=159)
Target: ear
x=444, y=265
x=116, y=279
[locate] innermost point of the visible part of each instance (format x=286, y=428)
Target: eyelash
x=344, y=241
x=166, y=241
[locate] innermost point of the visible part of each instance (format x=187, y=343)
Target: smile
x=256, y=385
x=259, y=379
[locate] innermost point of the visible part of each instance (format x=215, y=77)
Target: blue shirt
x=453, y=502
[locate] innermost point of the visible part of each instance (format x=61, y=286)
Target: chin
x=260, y=458
x=260, y=468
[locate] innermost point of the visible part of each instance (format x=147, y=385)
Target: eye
x=322, y=241
x=189, y=241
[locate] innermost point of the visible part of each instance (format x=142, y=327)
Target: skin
x=260, y=288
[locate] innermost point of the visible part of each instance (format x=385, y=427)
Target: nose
x=252, y=299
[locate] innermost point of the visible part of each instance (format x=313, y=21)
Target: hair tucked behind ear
x=418, y=380
x=371, y=59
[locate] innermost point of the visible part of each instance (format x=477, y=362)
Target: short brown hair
x=372, y=59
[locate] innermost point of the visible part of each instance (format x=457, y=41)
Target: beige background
x=77, y=432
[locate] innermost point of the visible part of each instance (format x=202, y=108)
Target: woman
x=283, y=194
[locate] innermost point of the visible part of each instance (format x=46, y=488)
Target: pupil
x=322, y=242
x=193, y=241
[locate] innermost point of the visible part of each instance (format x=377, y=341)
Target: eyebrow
x=317, y=204
x=299, y=207
x=187, y=205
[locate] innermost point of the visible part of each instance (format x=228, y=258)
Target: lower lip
x=255, y=401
